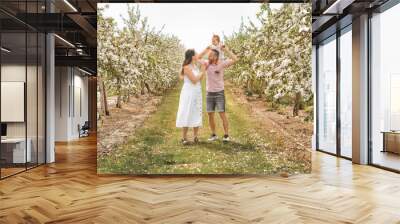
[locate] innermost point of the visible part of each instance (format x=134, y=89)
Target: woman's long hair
x=188, y=58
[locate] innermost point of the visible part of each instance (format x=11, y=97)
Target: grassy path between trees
x=155, y=148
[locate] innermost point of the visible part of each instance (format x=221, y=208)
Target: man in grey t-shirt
x=215, y=87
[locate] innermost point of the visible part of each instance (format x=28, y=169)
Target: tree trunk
x=103, y=98
x=261, y=88
x=119, y=97
x=157, y=88
x=124, y=98
x=296, y=106
x=119, y=102
x=142, y=89
x=148, y=88
x=248, y=88
x=128, y=98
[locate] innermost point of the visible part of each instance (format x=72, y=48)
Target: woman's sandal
x=184, y=141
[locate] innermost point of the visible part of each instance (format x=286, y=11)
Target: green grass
x=155, y=148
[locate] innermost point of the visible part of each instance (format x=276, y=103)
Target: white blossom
x=275, y=57
x=136, y=56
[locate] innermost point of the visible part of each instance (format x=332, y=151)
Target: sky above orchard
x=193, y=23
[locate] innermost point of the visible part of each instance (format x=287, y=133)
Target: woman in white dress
x=190, y=101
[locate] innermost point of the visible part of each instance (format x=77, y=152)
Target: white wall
x=70, y=83
x=12, y=73
x=33, y=126
x=79, y=117
x=62, y=82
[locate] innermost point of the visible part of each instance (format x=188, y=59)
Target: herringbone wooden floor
x=69, y=191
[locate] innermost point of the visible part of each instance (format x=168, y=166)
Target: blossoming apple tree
x=275, y=56
x=134, y=59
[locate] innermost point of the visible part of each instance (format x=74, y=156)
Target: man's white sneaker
x=226, y=138
x=213, y=137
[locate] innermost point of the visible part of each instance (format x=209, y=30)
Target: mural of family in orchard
x=204, y=88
